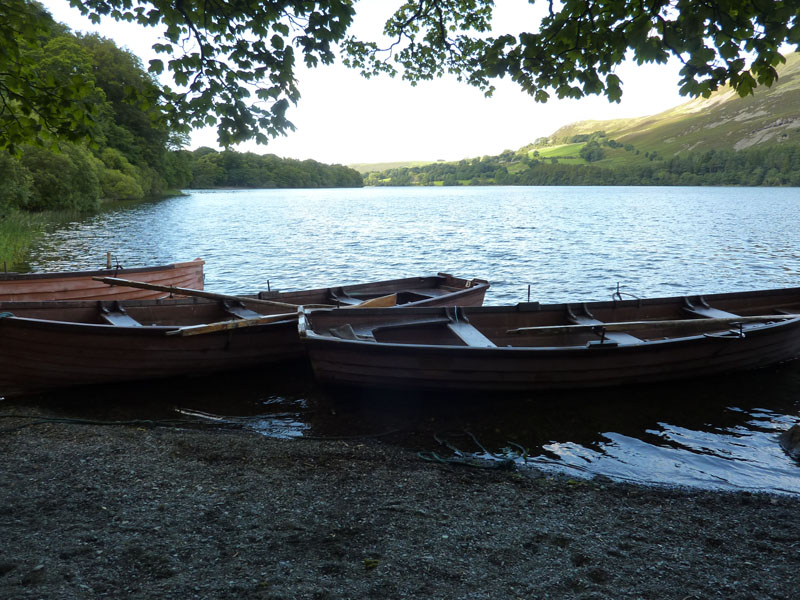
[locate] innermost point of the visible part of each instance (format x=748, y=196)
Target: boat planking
x=534, y=346
x=82, y=285
x=59, y=344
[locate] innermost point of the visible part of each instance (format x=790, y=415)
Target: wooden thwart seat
x=617, y=337
x=702, y=309
x=240, y=311
x=342, y=298
x=116, y=315
x=454, y=320
x=465, y=331
x=468, y=334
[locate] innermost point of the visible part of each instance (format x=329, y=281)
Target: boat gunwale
x=132, y=329
x=306, y=330
x=76, y=274
x=478, y=285
x=594, y=349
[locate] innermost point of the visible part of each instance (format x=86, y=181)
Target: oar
x=379, y=302
x=199, y=293
x=639, y=325
x=233, y=324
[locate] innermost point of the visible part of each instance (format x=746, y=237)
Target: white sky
x=344, y=118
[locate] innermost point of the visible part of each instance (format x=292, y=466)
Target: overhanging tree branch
x=223, y=51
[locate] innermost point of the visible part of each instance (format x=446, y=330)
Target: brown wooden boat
x=81, y=285
x=559, y=346
x=48, y=345
x=442, y=289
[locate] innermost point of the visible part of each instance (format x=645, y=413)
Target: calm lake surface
x=567, y=244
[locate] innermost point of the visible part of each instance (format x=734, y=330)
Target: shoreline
x=91, y=511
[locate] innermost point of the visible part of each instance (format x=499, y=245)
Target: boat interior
x=408, y=291
x=133, y=313
x=196, y=311
x=620, y=323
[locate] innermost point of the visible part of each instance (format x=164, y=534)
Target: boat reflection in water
x=716, y=433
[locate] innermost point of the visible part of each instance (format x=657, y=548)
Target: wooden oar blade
x=233, y=324
x=380, y=302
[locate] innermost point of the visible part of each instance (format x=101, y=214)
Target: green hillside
x=720, y=140
x=722, y=122
x=370, y=167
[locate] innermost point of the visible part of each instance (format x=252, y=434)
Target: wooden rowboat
x=57, y=344
x=439, y=290
x=81, y=285
x=559, y=346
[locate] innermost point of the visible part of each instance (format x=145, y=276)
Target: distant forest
x=772, y=166
x=229, y=169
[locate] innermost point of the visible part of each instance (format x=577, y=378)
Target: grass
x=561, y=151
x=565, y=160
x=364, y=168
x=19, y=231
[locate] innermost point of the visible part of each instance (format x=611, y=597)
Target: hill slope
x=720, y=140
x=723, y=121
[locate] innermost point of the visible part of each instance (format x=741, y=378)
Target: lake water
x=562, y=244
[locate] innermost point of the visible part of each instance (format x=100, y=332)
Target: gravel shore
x=104, y=511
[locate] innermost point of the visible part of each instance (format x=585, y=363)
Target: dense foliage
x=134, y=153
x=131, y=154
x=40, y=98
x=579, y=44
x=773, y=166
x=211, y=169
x=233, y=63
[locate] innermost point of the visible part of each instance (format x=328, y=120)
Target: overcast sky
x=344, y=118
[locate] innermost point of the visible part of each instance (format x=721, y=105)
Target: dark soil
x=92, y=511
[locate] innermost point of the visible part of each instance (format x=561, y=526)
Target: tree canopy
x=231, y=169
x=131, y=153
x=233, y=62
x=580, y=42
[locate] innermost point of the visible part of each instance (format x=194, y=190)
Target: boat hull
x=456, y=368
x=41, y=355
x=423, y=355
x=46, y=345
x=80, y=285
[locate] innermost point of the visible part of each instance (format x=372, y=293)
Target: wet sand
x=125, y=511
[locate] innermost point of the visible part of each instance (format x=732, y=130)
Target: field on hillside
x=373, y=167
